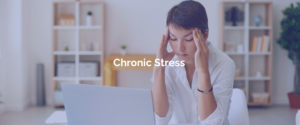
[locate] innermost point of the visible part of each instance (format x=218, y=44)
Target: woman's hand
x=162, y=52
x=202, y=53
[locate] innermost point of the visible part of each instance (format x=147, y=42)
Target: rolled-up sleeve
x=165, y=120
x=222, y=90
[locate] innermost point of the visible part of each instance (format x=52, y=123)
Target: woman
x=198, y=92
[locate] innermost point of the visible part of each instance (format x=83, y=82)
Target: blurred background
x=45, y=42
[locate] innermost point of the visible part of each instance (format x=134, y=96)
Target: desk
x=59, y=117
x=110, y=68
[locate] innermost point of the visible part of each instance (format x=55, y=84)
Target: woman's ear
x=206, y=34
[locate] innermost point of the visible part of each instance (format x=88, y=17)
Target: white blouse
x=183, y=100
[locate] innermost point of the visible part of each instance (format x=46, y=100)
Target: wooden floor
x=273, y=115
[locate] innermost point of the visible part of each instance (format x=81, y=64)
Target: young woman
x=198, y=92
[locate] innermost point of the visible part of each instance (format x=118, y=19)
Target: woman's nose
x=181, y=46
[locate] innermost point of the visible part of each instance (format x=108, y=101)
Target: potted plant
x=290, y=40
x=123, y=50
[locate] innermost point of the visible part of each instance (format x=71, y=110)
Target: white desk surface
x=60, y=117
x=57, y=117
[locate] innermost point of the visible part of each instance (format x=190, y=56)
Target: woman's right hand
x=162, y=52
x=159, y=94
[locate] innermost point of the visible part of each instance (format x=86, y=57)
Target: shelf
x=74, y=27
x=57, y=78
x=259, y=27
x=257, y=104
x=250, y=53
x=80, y=53
x=253, y=78
x=234, y=53
x=89, y=52
x=259, y=78
x=72, y=36
x=98, y=78
x=90, y=27
x=64, y=27
x=234, y=27
x=250, y=27
x=90, y=78
x=239, y=78
x=259, y=53
x=64, y=52
x=249, y=63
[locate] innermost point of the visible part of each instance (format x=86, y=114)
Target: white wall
x=283, y=68
x=26, y=38
x=14, y=60
x=40, y=44
x=2, y=62
x=140, y=25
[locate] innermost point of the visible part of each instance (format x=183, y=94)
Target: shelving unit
x=72, y=36
x=249, y=62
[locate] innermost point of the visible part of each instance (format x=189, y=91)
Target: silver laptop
x=102, y=105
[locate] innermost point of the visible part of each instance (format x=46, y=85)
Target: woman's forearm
x=159, y=92
x=206, y=101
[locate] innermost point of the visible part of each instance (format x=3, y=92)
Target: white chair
x=238, y=112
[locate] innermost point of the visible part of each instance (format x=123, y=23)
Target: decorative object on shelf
x=83, y=47
x=240, y=48
x=66, y=20
x=260, y=44
x=66, y=48
x=66, y=69
x=260, y=97
x=257, y=20
x=237, y=73
x=290, y=25
x=123, y=50
x=234, y=15
x=89, y=18
x=88, y=69
x=229, y=47
x=96, y=46
x=90, y=47
x=258, y=74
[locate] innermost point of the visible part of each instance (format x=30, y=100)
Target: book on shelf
x=253, y=44
x=260, y=44
x=259, y=41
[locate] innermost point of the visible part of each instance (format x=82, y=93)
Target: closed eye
x=173, y=39
x=190, y=40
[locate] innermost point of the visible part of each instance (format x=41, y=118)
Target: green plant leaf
x=123, y=47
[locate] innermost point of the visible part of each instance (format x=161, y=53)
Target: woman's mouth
x=182, y=55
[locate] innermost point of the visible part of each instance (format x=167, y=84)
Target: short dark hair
x=188, y=14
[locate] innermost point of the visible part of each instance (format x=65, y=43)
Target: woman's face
x=182, y=43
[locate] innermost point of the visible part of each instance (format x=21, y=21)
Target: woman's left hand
x=202, y=53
